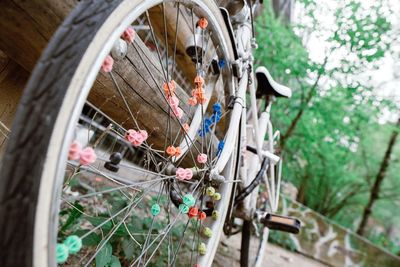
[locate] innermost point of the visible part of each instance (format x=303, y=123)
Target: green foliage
x=72, y=214
x=337, y=142
x=103, y=258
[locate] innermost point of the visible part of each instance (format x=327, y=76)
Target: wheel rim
x=62, y=149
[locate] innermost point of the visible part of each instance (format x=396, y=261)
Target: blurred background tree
x=337, y=127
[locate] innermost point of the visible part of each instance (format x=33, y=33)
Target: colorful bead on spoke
x=178, y=112
x=207, y=232
x=202, y=215
x=183, y=208
x=173, y=101
x=189, y=200
x=61, y=253
x=74, y=244
x=129, y=35
x=202, y=249
x=155, y=209
x=136, y=138
x=203, y=23
x=178, y=151
x=217, y=196
x=107, y=64
x=198, y=81
x=220, y=147
x=215, y=215
x=193, y=212
x=186, y=127
x=74, y=151
x=210, y=191
x=184, y=174
x=221, y=63
x=202, y=158
x=198, y=94
x=192, y=101
x=87, y=156
x=171, y=150
x=169, y=88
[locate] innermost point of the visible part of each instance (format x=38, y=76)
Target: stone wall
x=330, y=243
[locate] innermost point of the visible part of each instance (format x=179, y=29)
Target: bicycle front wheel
x=110, y=158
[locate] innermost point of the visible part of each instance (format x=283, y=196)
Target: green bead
x=217, y=196
x=189, y=200
x=74, y=244
x=210, y=191
x=183, y=208
x=202, y=249
x=62, y=253
x=215, y=214
x=155, y=209
x=207, y=232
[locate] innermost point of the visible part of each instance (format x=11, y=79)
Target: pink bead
x=192, y=101
x=129, y=35
x=186, y=127
x=88, y=156
x=136, y=138
x=184, y=174
x=130, y=135
x=74, y=151
x=144, y=134
x=178, y=112
x=202, y=158
x=107, y=64
x=188, y=174
x=180, y=173
x=173, y=101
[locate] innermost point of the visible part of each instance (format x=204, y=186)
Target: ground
x=229, y=254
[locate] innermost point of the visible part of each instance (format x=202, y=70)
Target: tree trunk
x=295, y=121
x=374, y=192
x=301, y=195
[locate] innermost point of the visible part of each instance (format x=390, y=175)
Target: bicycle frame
x=259, y=127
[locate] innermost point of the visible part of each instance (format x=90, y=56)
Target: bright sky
x=387, y=78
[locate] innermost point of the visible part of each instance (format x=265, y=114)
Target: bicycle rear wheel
x=97, y=159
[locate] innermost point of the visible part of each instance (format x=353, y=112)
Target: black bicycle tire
x=38, y=108
x=37, y=112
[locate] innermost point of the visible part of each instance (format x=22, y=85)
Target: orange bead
x=200, y=94
x=199, y=81
x=178, y=151
x=169, y=88
x=171, y=150
x=202, y=100
x=193, y=212
x=203, y=23
x=201, y=215
x=192, y=101
x=186, y=127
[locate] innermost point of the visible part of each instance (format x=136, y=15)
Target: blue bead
x=221, y=63
x=213, y=118
x=217, y=107
x=220, y=147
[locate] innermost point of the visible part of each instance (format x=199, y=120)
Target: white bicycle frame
x=259, y=126
x=252, y=133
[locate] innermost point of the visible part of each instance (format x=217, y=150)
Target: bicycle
x=113, y=157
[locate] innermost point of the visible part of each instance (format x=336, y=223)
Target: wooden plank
x=27, y=26
x=183, y=61
x=12, y=81
x=140, y=79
